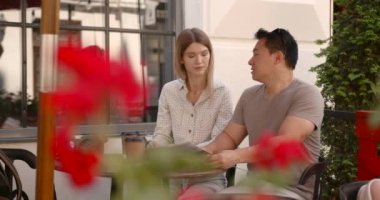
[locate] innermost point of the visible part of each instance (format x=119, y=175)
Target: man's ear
x=279, y=56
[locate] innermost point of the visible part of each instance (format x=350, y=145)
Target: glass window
x=140, y=14
x=148, y=56
x=10, y=78
x=10, y=14
x=145, y=28
x=86, y=13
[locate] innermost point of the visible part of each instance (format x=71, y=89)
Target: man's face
x=196, y=59
x=262, y=62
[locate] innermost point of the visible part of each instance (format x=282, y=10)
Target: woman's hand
x=224, y=159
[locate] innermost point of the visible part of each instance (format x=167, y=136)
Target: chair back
x=24, y=155
x=316, y=170
x=7, y=175
x=349, y=191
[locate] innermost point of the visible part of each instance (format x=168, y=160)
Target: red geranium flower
x=82, y=166
x=273, y=153
x=195, y=195
x=95, y=79
x=262, y=197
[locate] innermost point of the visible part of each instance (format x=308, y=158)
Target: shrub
x=348, y=78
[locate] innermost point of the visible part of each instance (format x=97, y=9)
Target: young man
x=282, y=104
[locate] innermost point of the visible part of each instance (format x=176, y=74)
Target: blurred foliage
x=141, y=179
x=348, y=79
x=374, y=119
x=147, y=177
x=256, y=180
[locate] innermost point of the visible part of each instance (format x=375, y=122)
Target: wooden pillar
x=46, y=117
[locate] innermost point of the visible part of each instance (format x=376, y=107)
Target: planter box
x=369, y=143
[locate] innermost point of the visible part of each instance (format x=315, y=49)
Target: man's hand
x=224, y=159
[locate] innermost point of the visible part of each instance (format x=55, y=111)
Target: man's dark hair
x=1, y=50
x=280, y=40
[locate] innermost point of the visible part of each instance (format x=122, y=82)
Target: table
x=199, y=174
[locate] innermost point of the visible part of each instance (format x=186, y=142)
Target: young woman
x=194, y=108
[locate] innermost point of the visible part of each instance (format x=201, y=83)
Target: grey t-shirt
x=259, y=113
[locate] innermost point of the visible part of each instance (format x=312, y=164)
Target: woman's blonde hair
x=184, y=40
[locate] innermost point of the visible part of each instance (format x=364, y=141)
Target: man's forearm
x=222, y=142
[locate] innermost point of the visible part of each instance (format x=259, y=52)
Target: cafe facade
x=144, y=31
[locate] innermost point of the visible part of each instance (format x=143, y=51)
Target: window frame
x=27, y=134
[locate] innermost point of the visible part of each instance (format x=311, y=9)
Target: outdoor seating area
x=313, y=171
x=316, y=171
x=189, y=100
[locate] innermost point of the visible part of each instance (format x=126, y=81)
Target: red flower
x=193, y=195
x=96, y=79
x=262, y=197
x=273, y=153
x=82, y=166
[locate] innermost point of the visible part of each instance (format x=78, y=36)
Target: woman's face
x=196, y=59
